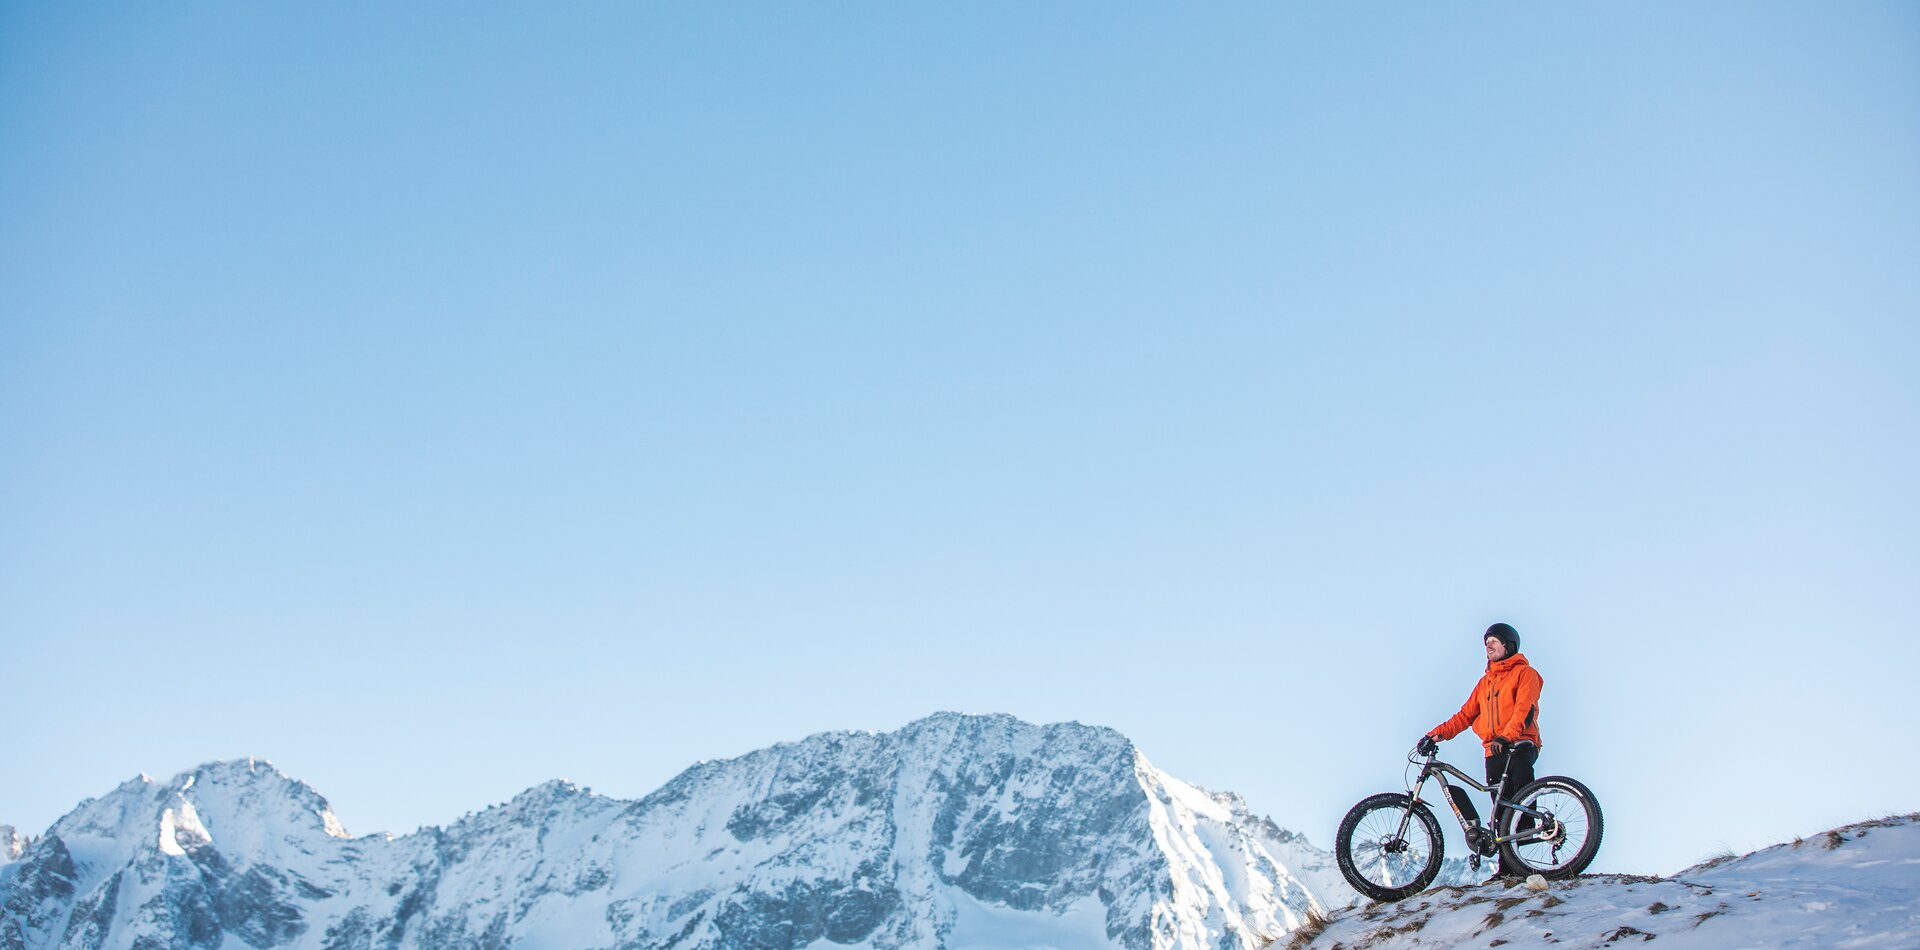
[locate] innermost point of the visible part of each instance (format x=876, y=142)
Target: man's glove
x=1499, y=745
x=1428, y=745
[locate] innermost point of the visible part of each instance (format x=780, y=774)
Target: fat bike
x=1390, y=846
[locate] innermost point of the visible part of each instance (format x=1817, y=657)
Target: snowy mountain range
x=955, y=831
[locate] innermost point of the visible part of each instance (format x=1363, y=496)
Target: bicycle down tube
x=1438, y=770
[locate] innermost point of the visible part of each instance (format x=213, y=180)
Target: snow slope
x=955, y=831
x=1854, y=887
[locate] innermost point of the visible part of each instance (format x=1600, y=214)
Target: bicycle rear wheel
x=1380, y=860
x=1569, y=838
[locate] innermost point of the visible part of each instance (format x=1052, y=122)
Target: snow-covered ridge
x=1854, y=886
x=955, y=831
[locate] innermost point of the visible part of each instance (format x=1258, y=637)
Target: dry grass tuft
x=1388, y=933
x=1716, y=859
x=1315, y=924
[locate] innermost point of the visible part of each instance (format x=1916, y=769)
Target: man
x=1504, y=711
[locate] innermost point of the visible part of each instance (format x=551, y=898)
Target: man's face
x=1496, y=650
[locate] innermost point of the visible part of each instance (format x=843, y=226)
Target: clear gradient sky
x=436, y=399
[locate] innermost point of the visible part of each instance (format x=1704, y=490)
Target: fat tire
x=1511, y=857
x=1343, y=847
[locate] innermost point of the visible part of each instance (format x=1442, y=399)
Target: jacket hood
x=1507, y=663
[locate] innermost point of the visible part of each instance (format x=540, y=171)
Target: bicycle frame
x=1436, y=769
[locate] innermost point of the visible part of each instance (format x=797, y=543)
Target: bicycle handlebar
x=1415, y=753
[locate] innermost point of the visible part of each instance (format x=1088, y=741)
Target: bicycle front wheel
x=1562, y=842
x=1389, y=847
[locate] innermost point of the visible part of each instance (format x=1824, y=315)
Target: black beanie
x=1505, y=634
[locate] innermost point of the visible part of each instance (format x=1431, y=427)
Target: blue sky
x=436, y=401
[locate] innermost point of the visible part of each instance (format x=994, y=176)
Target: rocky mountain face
x=11, y=844
x=955, y=831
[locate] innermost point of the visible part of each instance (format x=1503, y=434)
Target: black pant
x=1518, y=767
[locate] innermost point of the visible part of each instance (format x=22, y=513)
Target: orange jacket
x=1505, y=703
